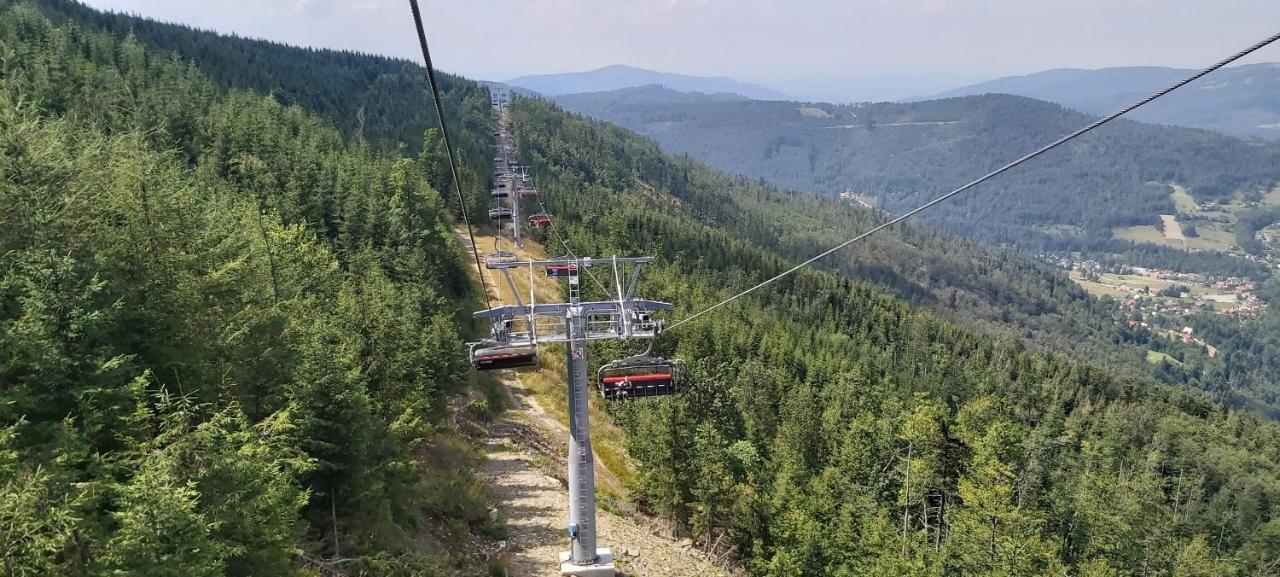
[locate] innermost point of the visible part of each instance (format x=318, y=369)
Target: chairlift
x=493, y=355
x=562, y=270
x=640, y=376
x=539, y=221
x=528, y=192
x=500, y=213
x=499, y=193
x=499, y=259
x=642, y=322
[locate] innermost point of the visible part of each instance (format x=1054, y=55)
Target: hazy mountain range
x=902, y=154
x=619, y=76
x=1241, y=100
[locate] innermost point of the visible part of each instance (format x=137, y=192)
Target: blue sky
x=820, y=49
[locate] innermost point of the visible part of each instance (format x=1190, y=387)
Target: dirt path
x=1172, y=229
x=536, y=505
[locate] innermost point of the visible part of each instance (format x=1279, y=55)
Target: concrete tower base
x=603, y=567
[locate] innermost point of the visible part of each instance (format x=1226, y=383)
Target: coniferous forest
x=233, y=315
x=830, y=429
x=227, y=330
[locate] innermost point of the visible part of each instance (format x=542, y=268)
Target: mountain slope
x=376, y=98
x=618, y=76
x=227, y=333
x=1239, y=100
x=811, y=403
x=905, y=153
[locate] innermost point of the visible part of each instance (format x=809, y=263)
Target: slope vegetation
x=830, y=429
x=227, y=334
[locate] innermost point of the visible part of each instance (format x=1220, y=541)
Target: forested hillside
x=1237, y=100
x=903, y=154
x=378, y=99
x=829, y=429
x=370, y=99
x=227, y=333
x=993, y=290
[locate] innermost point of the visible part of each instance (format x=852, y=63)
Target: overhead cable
x=448, y=147
x=1046, y=148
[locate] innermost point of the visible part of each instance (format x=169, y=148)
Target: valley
x=1103, y=197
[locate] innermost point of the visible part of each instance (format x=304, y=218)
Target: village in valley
x=1164, y=292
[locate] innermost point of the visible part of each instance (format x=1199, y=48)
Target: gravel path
x=536, y=507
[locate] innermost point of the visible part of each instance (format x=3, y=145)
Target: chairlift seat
x=498, y=259
x=638, y=377
x=562, y=270
x=493, y=356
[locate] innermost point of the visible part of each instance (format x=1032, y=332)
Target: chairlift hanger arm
x=635, y=278
x=587, y=261
x=560, y=309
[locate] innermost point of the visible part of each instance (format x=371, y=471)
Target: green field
x=1272, y=197
x=1144, y=234
x=1157, y=357
x=1212, y=236
x=1097, y=289
x=1183, y=200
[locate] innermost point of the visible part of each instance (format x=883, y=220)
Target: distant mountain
x=1241, y=100
x=1077, y=198
x=618, y=76
x=517, y=90
x=641, y=95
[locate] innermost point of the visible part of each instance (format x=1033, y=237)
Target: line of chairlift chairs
x=501, y=213
x=631, y=377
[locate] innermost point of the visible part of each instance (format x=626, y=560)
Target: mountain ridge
x=1238, y=100
x=905, y=153
x=620, y=76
